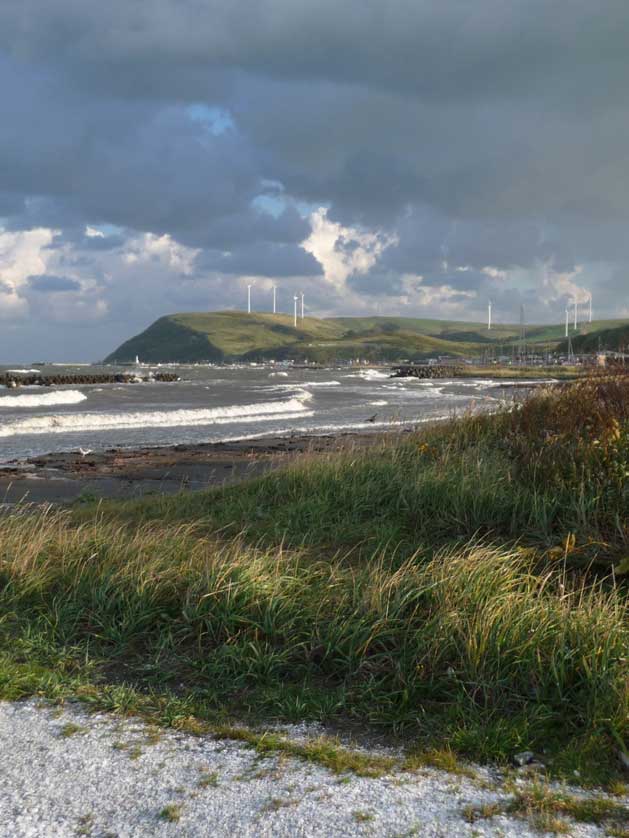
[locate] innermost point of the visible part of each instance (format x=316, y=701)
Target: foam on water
x=23, y=372
x=76, y=422
x=57, y=397
x=370, y=375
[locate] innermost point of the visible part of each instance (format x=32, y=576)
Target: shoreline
x=65, y=477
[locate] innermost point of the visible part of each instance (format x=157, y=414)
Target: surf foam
x=57, y=397
x=82, y=422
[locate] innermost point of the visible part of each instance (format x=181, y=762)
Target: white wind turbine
x=274, y=299
x=302, y=305
x=249, y=297
x=295, y=298
x=489, y=316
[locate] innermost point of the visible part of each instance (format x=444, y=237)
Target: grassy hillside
x=447, y=584
x=615, y=339
x=235, y=336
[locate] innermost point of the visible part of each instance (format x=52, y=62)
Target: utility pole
x=522, y=333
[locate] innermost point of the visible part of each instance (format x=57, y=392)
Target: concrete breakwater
x=12, y=380
x=424, y=371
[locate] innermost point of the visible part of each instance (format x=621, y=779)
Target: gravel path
x=69, y=773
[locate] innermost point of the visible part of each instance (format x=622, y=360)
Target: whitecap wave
x=85, y=422
x=370, y=375
x=57, y=397
x=380, y=403
x=23, y=372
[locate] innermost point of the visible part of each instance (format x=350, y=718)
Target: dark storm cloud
x=45, y=284
x=261, y=259
x=485, y=134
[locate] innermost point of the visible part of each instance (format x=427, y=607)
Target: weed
x=171, y=812
x=71, y=729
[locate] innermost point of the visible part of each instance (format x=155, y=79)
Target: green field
x=235, y=336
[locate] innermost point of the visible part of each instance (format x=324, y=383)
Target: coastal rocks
x=523, y=758
x=11, y=381
x=424, y=371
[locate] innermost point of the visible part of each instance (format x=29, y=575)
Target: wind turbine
x=567, y=321
x=489, y=317
x=274, y=299
x=295, y=298
x=590, y=313
x=302, y=305
x=249, y=297
x=576, y=314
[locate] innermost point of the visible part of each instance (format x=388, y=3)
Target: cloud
x=424, y=155
x=50, y=284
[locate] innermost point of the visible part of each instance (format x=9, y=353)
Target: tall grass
x=474, y=645
x=549, y=471
x=431, y=585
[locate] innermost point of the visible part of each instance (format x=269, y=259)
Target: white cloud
x=343, y=251
x=21, y=254
x=149, y=247
x=557, y=286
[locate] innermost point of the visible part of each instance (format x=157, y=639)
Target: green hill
x=236, y=336
x=615, y=339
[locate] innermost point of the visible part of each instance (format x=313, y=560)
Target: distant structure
x=522, y=347
x=302, y=305
x=274, y=299
x=249, y=298
x=567, y=322
x=489, y=316
x=295, y=298
x=576, y=314
x=590, y=312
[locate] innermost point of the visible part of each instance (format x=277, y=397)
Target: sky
x=407, y=157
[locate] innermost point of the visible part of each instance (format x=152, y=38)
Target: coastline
x=65, y=477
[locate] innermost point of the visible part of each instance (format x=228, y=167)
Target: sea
x=220, y=403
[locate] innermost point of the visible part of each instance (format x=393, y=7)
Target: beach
x=66, y=477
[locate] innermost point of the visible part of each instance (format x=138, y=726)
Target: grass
x=547, y=810
x=171, y=812
x=439, y=588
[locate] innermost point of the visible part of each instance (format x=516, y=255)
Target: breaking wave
x=76, y=422
x=22, y=371
x=370, y=375
x=57, y=397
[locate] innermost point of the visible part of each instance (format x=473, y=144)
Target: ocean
x=213, y=404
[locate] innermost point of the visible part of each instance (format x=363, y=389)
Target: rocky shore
x=13, y=380
x=122, y=473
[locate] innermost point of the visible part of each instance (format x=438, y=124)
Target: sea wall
x=13, y=380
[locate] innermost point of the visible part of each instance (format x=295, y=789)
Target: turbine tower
x=489, y=317
x=302, y=305
x=576, y=314
x=567, y=321
x=274, y=299
x=249, y=298
x=295, y=298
